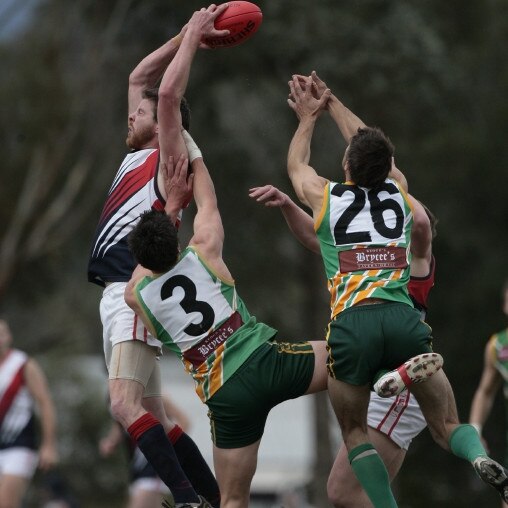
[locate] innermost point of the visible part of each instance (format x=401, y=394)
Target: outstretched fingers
x=268, y=195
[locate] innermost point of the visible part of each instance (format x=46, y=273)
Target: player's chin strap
x=192, y=148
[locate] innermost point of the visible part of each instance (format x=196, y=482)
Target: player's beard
x=139, y=138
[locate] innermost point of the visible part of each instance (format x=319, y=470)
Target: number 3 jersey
x=200, y=317
x=364, y=235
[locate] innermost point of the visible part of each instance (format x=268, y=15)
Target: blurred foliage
x=430, y=73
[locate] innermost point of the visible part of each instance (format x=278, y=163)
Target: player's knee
x=338, y=494
x=440, y=435
x=122, y=410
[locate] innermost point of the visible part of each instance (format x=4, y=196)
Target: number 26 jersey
x=364, y=236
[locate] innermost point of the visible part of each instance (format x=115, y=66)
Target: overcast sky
x=14, y=16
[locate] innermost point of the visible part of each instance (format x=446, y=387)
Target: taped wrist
x=192, y=148
x=177, y=39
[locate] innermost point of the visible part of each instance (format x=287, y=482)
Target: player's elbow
x=129, y=298
x=135, y=79
x=421, y=227
x=169, y=98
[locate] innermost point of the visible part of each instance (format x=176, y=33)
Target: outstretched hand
x=269, y=196
x=318, y=85
x=177, y=181
x=303, y=99
x=204, y=22
x=48, y=457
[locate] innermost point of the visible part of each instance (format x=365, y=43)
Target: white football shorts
x=400, y=418
x=119, y=321
x=18, y=462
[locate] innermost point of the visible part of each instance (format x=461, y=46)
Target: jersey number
x=377, y=207
x=190, y=304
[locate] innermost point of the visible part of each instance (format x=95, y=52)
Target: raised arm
x=299, y=222
x=208, y=234
x=308, y=185
x=485, y=394
x=148, y=72
x=175, y=79
x=421, y=240
x=347, y=122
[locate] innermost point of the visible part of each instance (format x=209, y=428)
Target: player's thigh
x=350, y=402
x=119, y=322
x=320, y=376
x=12, y=490
x=275, y=372
x=134, y=361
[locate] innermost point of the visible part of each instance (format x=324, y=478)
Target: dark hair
x=369, y=157
x=152, y=94
x=154, y=241
x=433, y=220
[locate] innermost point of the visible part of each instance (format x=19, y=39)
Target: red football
x=242, y=19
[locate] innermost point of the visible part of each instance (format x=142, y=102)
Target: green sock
x=372, y=475
x=465, y=443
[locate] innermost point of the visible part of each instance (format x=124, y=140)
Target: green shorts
x=365, y=339
x=275, y=372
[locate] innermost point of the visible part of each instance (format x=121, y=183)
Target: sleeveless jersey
x=201, y=318
x=133, y=191
x=419, y=289
x=364, y=235
x=498, y=347
x=17, y=420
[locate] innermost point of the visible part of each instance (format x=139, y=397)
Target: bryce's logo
x=372, y=258
x=198, y=353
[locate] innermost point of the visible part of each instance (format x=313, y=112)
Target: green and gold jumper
x=200, y=317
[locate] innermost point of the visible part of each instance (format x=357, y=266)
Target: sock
x=465, y=443
x=195, y=466
x=152, y=441
x=372, y=475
